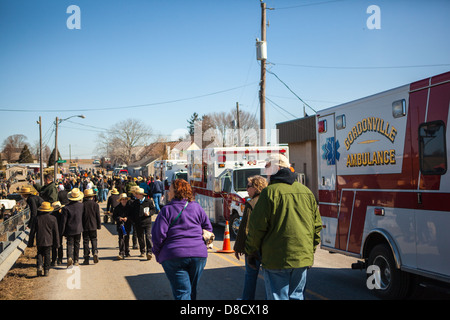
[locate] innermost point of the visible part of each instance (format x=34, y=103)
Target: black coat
x=113, y=201
x=47, y=233
x=34, y=202
x=122, y=212
x=91, y=215
x=62, y=197
x=137, y=211
x=72, y=220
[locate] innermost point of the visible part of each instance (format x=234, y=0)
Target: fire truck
x=384, y=184
x=218, y=177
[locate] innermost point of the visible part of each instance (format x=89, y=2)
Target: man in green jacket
x=284, y=231
x=48, y=192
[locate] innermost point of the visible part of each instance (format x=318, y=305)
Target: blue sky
x=202, y=54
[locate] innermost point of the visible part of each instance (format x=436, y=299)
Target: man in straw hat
x=91, y=223
x=72, y=225
x=33, y=202
x=121, y=215
x=142, y=209
x=47, y=236
x=285, y=216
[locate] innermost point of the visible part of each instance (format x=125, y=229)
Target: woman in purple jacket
x=178, y=242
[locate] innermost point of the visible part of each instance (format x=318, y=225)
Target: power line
x=295, y=117
x=361, y=67
x=130, y=107
x=291, y=90
x=308, y=4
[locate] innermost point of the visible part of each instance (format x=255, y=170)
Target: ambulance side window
x=432, y=148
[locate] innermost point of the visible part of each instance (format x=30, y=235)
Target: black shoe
x=95, y=258
x=86, y=261
x=45, y=273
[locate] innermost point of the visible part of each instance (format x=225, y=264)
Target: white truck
x=384, y=184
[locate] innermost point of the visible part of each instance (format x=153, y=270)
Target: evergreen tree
x=191, y=123
x=25, y=155
x=51, y=159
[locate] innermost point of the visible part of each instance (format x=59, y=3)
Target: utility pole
x=41, y=166
x=262, y=92
x=55, y=166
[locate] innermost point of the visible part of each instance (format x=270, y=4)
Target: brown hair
x=182, y=189
x=258, y=182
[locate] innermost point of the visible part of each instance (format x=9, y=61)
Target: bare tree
x=13, y=144
x=121, y=141
x=222, y=130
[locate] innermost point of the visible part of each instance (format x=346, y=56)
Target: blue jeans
x=157, y=199
x=250, y=280
x=105, y=194
x=285, y=284
x=100, y=195
x=184, y=275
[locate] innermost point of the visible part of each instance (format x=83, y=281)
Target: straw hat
x=75, y=195
x=57, y=205
x=25, y=190
x=46, y=207
x=124, y=196
x=139, y=191
x=114, y=191
x=89, y=193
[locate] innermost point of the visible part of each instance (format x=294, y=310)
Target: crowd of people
x=279, y=231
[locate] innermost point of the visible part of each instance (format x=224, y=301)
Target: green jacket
x=47, y=192
x=284, y=227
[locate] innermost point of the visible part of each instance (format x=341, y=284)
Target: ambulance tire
x=394, y=283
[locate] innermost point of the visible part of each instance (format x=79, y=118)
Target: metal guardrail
x=11, y=226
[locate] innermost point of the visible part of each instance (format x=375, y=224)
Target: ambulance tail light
x=322, y=126
x=379, y=211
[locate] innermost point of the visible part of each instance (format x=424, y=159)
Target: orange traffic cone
x=226, y=248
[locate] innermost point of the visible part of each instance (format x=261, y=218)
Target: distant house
x=171, y=150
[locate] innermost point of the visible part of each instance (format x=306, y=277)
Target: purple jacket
x=184, y=239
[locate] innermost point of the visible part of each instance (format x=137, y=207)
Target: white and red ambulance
x=384, y=183
x=218, y=177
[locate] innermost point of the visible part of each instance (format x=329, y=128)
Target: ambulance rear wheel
x=392, y=283
x=234, y=223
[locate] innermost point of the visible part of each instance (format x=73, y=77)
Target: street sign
x=61, y=161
